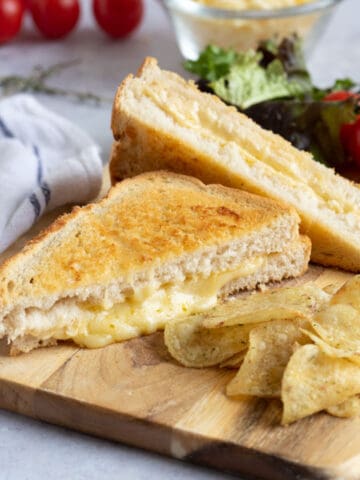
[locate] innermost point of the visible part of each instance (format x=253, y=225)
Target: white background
x=34, y=450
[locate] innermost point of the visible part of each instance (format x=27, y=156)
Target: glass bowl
x=197, y=25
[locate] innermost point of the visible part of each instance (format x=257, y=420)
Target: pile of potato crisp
x=299, y=344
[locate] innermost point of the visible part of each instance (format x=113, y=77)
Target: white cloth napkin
x=45, y=161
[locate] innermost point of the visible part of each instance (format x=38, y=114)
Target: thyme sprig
x=36, y=82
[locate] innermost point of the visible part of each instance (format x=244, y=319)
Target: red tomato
x=350, y=138
x=118, y=18
x=349, y=132
x=11, y=15
x=338, y=96
x=55, y=18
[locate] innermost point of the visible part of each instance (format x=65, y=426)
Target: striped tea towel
x=45, y=161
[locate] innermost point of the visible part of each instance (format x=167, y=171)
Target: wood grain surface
x=136, y=393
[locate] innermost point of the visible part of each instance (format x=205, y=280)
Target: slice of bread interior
x=160, y=121
x=159, y=245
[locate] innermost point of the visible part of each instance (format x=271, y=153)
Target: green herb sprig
x=36, y=82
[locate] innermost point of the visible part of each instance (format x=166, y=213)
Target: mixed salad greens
x=273, y=86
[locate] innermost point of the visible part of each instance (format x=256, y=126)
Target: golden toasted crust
x=242, y=156
x=142, y=223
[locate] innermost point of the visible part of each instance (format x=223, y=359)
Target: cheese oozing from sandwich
x=144, y=312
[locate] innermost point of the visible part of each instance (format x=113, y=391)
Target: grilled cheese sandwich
x=124, y=267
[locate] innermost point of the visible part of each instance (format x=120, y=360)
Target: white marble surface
x=32, y=450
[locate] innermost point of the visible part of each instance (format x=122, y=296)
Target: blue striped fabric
x=44, y=187
x=46, y=161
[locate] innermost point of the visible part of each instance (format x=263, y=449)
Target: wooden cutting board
x=136, y=393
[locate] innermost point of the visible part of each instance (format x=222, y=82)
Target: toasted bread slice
x=104, y=272
x=160, y=121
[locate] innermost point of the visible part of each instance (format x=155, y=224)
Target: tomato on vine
x=118, y=18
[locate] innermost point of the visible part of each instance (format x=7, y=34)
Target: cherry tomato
x=338, y=96
x=118, y=18
x=55, y=18
x=350, y=138
x=11, y=15
x=349, y=132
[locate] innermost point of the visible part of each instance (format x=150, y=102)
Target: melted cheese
x=146, y=311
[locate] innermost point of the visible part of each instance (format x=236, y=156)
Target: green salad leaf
x=248, y=83
x=213, y=63
x=244, y=79
x=273, y=86
x=343, y=84
x=290, y=53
